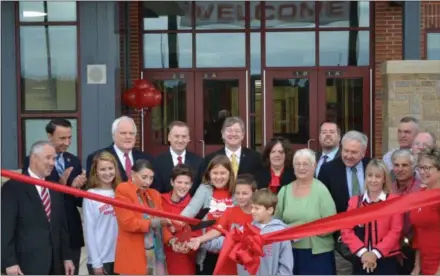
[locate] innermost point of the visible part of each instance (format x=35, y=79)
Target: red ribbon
x=248, y=248
x=245, y=247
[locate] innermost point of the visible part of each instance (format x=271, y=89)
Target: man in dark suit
x=35, y=236
x=178, y=137
x=344, y=177
x=329, y=138
x=124, y=139
x=67, y=171
x=243, y=160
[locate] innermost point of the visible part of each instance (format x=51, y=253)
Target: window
x=48, y=66
x=433, y=45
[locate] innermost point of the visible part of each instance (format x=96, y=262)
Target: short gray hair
x=307, y=153
x=404, y=153
x=409, y=119
x=232, y=121
x=116, y=123
x=356, y=136
x=38, y=146
x=434, y=139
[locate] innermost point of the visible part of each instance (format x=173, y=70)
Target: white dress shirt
x=174, y=156
x=121, y=156
x=33, y=175
x=237, y=154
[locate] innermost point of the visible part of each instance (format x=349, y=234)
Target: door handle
x=308, y=143
x=203, y=147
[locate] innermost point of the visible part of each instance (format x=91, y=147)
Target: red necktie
x=179, y=160
x=127, y=165
x=45, y=198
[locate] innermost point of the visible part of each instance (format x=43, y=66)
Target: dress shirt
x=360, y=175
x=121, y=156
x=33, y=175
x=174, y=156
x=330, y=156
x=237, y=154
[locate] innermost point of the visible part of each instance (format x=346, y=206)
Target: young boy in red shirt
x=235, y=217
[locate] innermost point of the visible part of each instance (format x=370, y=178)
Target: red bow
x=248, y=248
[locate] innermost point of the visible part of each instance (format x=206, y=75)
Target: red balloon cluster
x=142, y=95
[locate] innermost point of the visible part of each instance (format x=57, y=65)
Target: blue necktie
x=59, y=164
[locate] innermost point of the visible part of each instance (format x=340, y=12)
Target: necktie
x=45, y=198
x=59, y=164
x=127, y=165
x=324, y=159
x=234, y=164
x=355, y=188
x=179, y=160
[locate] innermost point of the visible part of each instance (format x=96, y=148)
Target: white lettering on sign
x=300, y=12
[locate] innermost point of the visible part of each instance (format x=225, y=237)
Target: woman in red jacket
x=426, y=221
x=174, y=202
x=376, y=243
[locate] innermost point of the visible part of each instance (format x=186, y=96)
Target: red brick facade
x=387, y=46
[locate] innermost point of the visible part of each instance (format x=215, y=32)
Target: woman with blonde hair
x=376, y=243
x=215, y=192
x=100, y=224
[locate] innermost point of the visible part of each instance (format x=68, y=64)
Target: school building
x=282, y=66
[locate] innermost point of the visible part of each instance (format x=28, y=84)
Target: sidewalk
x=83, y=260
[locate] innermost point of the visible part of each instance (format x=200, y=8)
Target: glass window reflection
x=344, y=48
x=167, y=50
x=433, y=46
x=172, y=15
x=220, y=50
x=290, y=14
x=287, y=49
x=48, y=67
x=336, y=14
x=213, y=15
x=47, y=11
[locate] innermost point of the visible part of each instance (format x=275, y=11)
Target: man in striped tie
x=35, y=237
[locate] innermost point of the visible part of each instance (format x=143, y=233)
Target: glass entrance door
x=177, y=100
x=345, y=99
x=290, y=107
x=218, y=94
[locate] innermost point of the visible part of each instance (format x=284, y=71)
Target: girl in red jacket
x=174, y=202
x=377, y=243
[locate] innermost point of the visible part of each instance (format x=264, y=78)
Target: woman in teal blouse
x=305, y=200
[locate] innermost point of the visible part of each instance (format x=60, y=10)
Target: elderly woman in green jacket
x=305, y=200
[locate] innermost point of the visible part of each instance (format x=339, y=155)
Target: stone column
x=411, y=88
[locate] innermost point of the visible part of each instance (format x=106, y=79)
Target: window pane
x=220, y=100
x=48, y=67
x=172, y=107
x=344, y=14
x=214, y=15
x=433, y=46
x=290, y=14
x=220, y=50
x=168, y=50
x=291, y=109
x=344, y=103
x=35, y=130
x=47, y=11
x=170, y=15
x=286, y=49
x=344, y=48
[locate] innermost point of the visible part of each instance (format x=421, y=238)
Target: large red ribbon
x=246, y=246
x=330, y=224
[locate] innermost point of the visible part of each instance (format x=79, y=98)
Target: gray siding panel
x=9, y=139
x=411, y=30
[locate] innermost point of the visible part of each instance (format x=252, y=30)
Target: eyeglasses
x=425, y=169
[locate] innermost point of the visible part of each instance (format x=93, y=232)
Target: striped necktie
x=45, y=199
x=59, y=164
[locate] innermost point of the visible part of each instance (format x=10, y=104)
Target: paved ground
x=83, y=262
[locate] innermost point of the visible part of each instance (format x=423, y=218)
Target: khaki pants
x=343, y=267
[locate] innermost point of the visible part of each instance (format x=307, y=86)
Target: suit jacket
x=163, y=165
x=333, y=176
x=137, y=154
x=71, y=203
x=28, y=238
x=250, y=162
x=130, y=255
x=264, y=177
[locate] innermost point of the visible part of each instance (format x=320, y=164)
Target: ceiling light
x=33, y=14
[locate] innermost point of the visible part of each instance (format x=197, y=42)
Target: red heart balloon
x=129, y=98
x=145, y=98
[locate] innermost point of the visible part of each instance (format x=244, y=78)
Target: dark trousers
x=385, y=266
x=76, y=258
x=407, y=265
x=108, y=269
x=208, y=264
